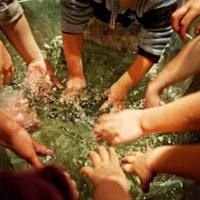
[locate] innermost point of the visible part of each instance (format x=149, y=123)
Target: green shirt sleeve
x=10, y=11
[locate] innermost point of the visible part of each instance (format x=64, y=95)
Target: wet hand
x=183, y=17
x=41, y=78
x=106, y=166
x=72, y=185
x=6, y=66
x=152, y=97
x=136, y=163
x=113, y=102
x=21, y=143
x=117, y=128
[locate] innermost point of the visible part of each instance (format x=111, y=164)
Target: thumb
x=88, y=171
x=34, y=161
x=127, y=168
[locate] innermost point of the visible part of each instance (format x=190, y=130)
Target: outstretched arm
x=180, y=160
x=17, y=139
x=128, y=125
x=185, y=64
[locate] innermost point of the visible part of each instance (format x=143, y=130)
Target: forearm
x=109, y=190
x=179, y=160
x=73, y=47
x=8, y=126
x=20, y=36
x=136, y=72
x=185, y=64
x=180, y=115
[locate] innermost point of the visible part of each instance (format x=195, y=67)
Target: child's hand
x=17, y=139
x=21, y=143
x=106, y=166
x=41, y=78
x=183, y=17
x=6, y=66
x=136, y=162
x=152, y=97
x=72, y=185
x=119, y=127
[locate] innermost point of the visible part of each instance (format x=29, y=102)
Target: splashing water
x=14, y=103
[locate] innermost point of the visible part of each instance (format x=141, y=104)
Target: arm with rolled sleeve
x=10, y=11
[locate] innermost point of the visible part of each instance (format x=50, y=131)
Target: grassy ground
x=67, y=128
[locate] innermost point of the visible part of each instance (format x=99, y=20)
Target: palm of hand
x=119, y=127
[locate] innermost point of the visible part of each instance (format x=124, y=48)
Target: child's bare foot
x=136, y=162
x=116, y=97
x=75, y=89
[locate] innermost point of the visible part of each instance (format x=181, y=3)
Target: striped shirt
x=10, y=10
x=153, y=15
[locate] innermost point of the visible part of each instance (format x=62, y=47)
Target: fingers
x=129, y=160
x=104, y=131
x=72, y=185
x=88, y=171
x=183, y=17
x=112, y=153
x=197, y=29
x=34, y=161
x=177, y=16
x=103, y=153
x=116, y=140
x=96, y=159
x=53, y=77
x=127, y=168
x=185, y=23
x=41, y=149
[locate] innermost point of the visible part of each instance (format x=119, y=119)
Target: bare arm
x=17, y=139
x=185, y=64
x=23, y=40
x=129, y=125
x=120, y=89
x=109, y=190
x=180, y=160
x=180, y=115
x=73, y=48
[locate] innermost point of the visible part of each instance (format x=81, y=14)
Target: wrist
x=147, y=120
x=39, y=62
x=155, y=87
x=153, y=157
x=122, y=182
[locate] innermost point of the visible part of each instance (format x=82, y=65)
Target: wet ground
x=67, y=128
